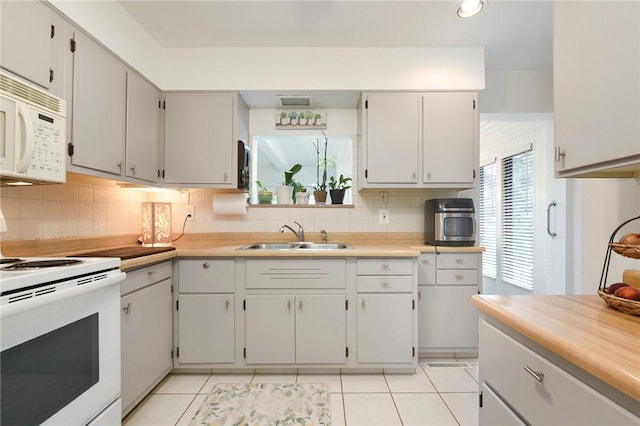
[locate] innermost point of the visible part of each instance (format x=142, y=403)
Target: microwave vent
x=296, y=100
x=31, y=94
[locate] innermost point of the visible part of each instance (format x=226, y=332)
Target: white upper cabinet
x=25, y=40
x=201, y=133
x=143, y=129
x=418, y=140
x=449, y=132
x=392, y=135
x=99, y=108
x=596, y=87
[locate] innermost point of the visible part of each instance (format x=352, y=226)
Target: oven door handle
x=38, y=301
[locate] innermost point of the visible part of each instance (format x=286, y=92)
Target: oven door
x=61, y=355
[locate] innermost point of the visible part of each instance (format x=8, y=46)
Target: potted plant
x=320, y=193
x=301, y=118
x=283, y=116
x=302, y=196
x=292, y=117
x=316, y=119
x=286, y=192
x=264, y=195
x=309, y=116
x=337, y=188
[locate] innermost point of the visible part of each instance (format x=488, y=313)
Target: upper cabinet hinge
x=366, y=104
x=244, y=352
x=178, y=351
x=50, y=75
x=72, y=45
x=244, y=305
x=347, y=351
x=474, y=173
x=346, y=305
x=177, y=307
x=413, y=304
x=53, y=31
x=366, y=173
x=480, y=399
x=164, y=104
x=413, y=351
x=474, y=104
x=171, y=354
x=171, y=288
x=70, y=149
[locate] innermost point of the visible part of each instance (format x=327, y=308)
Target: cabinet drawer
x=385, y=284
x=295, y=273
x=140, y=278
x=427, y=269
x=556, y=397
x=385, y=266
x=207, y=276
x=457, y=277
x=458, y=261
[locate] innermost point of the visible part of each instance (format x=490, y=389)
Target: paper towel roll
x=230, y=204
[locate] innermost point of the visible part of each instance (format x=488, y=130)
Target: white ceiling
x=516, y=34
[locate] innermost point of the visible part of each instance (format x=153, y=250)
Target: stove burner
x=5, y=260
x=36, y=264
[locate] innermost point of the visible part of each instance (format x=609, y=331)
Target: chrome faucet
x=299, y=234
x=324, y=236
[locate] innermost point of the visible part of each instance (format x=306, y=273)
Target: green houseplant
x=287, y=191
x=337, y=188
x=283, y=116
x=264, y=195
x=320, y=193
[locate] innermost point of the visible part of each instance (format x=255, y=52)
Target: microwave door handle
x=26, y=137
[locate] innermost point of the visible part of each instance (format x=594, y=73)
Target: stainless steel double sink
x=295, y=246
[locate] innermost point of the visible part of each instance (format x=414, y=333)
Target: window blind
x=517, y=219
x=488, y=218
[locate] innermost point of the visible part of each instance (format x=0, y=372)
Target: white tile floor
x=431, y=396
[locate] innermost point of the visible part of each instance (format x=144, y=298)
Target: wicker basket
x=626, y=250
x=623, y=305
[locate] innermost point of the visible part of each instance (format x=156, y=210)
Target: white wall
x=517, y=91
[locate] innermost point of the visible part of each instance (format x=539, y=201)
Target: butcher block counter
x=580, y=329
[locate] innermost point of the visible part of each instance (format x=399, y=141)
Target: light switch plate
x=383, y=217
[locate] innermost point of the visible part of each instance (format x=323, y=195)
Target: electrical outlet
x=190, y=212
x=383, y=196
x=383, y=217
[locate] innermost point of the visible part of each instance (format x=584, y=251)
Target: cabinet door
x=206, y=328
x=270, y=329
x=449, y=137
x=321, y=329
x=446, y=318
x=99, y=101
x=392, y=139
x=143, y=129
x=199, y=138
x=146, y=339
x=385, y=328
x=596, y=64
x=25, y=40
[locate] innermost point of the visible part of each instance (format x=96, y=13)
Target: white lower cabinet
x=146, y=323
x=301, y=329
x=385, y=328
x=205, y=312
x=448, y=321
x=527, y=388
x=206, y=328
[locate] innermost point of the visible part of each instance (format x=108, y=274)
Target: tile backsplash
x=89, y=207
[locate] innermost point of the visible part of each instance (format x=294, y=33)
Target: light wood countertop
x=579, y=328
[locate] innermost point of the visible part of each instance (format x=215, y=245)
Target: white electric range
x=60, y=341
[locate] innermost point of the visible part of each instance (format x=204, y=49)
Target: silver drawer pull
x=289, y=304
x=151, y=273
x=127, y=309
x=226, y=304
x=538, y=375
x=300, y=304
x=459, y=261
x=362, y=304
x=384, y=283
x=459, y=276
x=206, y=265
x=386, y=267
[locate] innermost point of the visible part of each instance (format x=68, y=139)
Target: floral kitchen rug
x=265, y=404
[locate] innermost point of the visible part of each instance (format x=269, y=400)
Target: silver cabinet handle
x=385, y=267
x=151, y=273
x=133, y=169
x=289, y=304
x=384, y=283
x=419, y=295
x=459, y=276
x=226, y=304
x=559, y=154
x=459, y=261
x=538, y=375
x=119, y=165
x=206, y=265
x=551, y=204
x=127, y=309
x=300, y=305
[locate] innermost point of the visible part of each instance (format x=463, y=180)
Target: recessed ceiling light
x=469, y=8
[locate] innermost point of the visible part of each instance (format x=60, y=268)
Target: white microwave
x=32, y=134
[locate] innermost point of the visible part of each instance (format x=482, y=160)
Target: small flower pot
x=265, y=197
x=337, y=196
x=283, y=194
x=320, y=197
x=302, y=198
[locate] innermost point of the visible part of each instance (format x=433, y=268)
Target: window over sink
x=272, y=155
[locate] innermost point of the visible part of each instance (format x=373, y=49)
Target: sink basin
x=297, y=246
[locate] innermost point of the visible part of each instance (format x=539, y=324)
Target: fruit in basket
x=631, y=238
x=613, y=287
x=628, y=292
